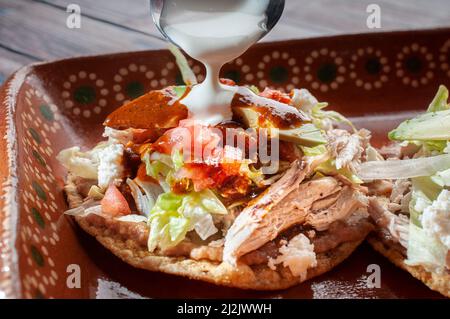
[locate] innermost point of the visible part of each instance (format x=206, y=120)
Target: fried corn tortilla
x=436, y=282
x=256, y=277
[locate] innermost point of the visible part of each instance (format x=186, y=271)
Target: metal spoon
x=159, y=8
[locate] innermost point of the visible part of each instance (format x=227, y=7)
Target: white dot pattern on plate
x=84, y=93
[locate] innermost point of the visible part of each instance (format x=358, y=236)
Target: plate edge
x=9, y=274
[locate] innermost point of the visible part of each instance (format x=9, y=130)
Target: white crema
x=213, y=32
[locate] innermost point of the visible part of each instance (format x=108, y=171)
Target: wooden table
x=35, y=30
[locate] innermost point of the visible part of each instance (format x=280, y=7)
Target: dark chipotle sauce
x=271, y=113
x=154, y=110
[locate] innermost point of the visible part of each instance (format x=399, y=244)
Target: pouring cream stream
x=213, y=32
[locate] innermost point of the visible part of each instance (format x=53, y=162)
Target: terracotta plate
x=377, y=79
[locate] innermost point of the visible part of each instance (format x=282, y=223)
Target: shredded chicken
x=394, y=207
x=393, y=150
x=400, y=187
x=396, y=196
x=241, y=237
x=322, y=204
x=404, y=203
x=291, y=211
x=347, y=148
x=348, y=201
x=399, y=151
x=380, y=187
x=397, y=225
x=317, y=203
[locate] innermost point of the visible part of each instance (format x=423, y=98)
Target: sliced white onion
x=400, y=169
x=88, y=207
x=152, y=191
x=144, y=203
x=140, y=200
x=94, y=210
x=205, y=227
x=133, y=218
x=77, y=211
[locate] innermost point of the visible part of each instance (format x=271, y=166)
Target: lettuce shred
x=329, y=168
x=432, y=128
x=174, y=215
x=439, y=102
x=320, y=117
x=425, y=250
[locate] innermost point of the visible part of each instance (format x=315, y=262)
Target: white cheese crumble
x=83, y=164
x=421, y=204
x=444, y=177
x=436, y=218
x=298, y=255
x=303, y=99
x=110, y=164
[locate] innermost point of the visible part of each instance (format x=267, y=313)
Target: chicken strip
x=284, y=204
x=349, y=200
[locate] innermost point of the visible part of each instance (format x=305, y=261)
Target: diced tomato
x=229, y=82
x=211, y=166
x=164, y=144
x=207, y=176
x=230, y=169
x=189, y=137
x=200, y=174
x=276, y=95
x=114, y=203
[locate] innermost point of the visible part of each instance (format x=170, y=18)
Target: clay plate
x=377, y=79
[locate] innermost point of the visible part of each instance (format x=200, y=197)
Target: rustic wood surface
x=35, y=30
